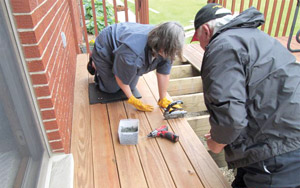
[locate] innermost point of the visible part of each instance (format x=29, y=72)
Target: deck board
x=130, y=170
x=204, y=165
x=194, y=53
x=181, y=170
x=81, y=144
x=101, y=161
x=104, y=161
x=150, y=154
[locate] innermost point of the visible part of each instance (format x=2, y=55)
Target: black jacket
x=251, y=88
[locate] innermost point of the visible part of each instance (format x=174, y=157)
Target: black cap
x=209, y=12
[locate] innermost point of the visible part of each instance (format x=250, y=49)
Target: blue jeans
x=281, y=171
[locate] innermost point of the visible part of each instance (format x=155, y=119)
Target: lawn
x=184, y=12
x=174, y=10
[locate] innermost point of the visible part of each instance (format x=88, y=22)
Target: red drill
x=164, y=133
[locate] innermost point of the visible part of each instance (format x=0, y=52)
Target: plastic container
x=128, y=131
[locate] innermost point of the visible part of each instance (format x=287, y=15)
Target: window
x=23, y=153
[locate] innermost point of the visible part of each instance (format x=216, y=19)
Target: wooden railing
x=141, y=15
x=274, y=22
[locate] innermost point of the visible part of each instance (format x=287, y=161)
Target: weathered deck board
x=81, y=144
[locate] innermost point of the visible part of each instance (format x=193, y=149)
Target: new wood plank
x=81, y=147
x=104, y=161
x=129, y=166
x=194, y=54
x=178, y=163
x=181, y=71
x=200, y=124
x=203, y=164
x=153, y=163
x=184, y=86
x=192, y=102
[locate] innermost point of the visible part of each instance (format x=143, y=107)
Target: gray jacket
x=251, y=88
x=121, y=49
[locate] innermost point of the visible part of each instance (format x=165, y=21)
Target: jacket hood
x=250, y=18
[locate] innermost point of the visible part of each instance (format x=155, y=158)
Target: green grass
x=183, y=11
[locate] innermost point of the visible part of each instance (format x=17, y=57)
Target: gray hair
x=168, y=37
x=216, y=24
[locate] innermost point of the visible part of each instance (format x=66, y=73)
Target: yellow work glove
x=139, y=105
x=163, y=103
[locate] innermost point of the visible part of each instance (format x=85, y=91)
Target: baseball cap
x=209, y=12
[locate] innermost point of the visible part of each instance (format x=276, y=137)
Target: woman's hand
x=139, y=105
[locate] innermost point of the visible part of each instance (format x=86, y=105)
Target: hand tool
x=172, y=112
x=164, y=133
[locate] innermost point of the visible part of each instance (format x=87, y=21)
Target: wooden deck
x=194, y=53
x=100, y=161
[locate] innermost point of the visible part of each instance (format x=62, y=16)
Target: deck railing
x=280, y=15
x=276, y=22
x=141, y=15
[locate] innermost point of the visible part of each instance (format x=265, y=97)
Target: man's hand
x=139, y=105
x=213, y=145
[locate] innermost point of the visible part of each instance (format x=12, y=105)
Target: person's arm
x=125, y=88
x=131, y=99
x=224, y=86
x=212, y=145
x=163, y=82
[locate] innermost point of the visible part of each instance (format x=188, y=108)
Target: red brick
x=35, y=66
x=32, y=51
x=50, y=125
x=42, y=91
x=25, y=21
x=29, y=37
x=45, y=103
x=48, y=114
x=56, y=145
x=30, y=21
x=39, y=79
x=54, y=135
x=23, y=6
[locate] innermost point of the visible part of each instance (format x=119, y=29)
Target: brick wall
x=40, y=24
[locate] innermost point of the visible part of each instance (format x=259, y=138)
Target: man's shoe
x=90, y=67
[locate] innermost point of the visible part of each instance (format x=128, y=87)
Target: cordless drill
x=164, y=133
